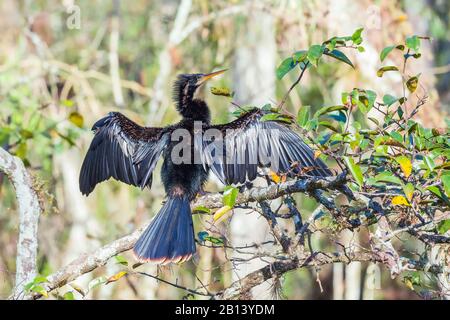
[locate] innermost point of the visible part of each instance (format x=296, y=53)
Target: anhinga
x=128, y=152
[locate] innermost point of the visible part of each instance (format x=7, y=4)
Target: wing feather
x=123, y=150
x=249, y=143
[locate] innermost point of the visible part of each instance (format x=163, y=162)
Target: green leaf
x=363, y=103
x=374, y=121
x=39, y=279
x=325, y=110
x=314, y=54
x=303, y=116
x=121, y=260
x=436, y=191
x=444, y=226
x=26, y=134
x=382, y=70
x=287, y=65
x=229, y=196
x=387, y=176
x=429, y=162
x=214, y=240
x=412, y=83
x=276, y=117
x=339, y=55
x=355, y=170
x=396, y=136
x=40, y=290
x=413, y=43
x=300, y=56
x=243, y=110
x=312, y=124
x=344, y=97
x=68, y=296
x=446, y=182
x=202, y=209
x=329, y=125
x=389, y=100
x=408, y=189
x=96, y=282
x=356, y=36
x=21, y=150
x=371, y=96
x=384, y=53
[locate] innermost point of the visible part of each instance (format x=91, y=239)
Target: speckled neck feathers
x=183, y=95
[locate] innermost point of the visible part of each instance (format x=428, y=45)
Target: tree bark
x=29, y=211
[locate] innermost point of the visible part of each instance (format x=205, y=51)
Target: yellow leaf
x=409, y=284
x=53, y=133
x=405, y=165
x=317, y=153
x=275, y=178
x=221, y=92
x=219, y=213
x=76, y=119
x=116, y=277
x=412, y=83
x=401, y=18
x=78, y=289
x=400, y=201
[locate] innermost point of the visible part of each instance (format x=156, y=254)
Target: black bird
x=233, y=151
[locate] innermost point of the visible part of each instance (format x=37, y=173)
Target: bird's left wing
x=123, y=150
x=235, y=150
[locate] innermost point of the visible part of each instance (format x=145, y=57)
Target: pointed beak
x=209, y=76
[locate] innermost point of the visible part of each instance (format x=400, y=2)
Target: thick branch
x=29, y=211
x=100, y=257
x=242, y=287
x=274, y=191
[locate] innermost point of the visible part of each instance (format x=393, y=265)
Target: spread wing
x=123, y=150
x=235, y=150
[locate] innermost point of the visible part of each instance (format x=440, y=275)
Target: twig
x=280, y=106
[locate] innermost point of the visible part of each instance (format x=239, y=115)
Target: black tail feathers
x=170, y=236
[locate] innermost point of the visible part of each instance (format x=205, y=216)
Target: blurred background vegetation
x=64, y=64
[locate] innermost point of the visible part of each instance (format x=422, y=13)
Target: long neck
x=196, y=110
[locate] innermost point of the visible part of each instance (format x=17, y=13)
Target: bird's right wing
x=123, y=150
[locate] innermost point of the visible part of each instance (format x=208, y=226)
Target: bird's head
x=184, y=89
x=186, y=84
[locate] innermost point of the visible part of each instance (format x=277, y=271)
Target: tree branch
x=296, y=259
x=242, y=287
x=29, y=211
x=88, y=262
